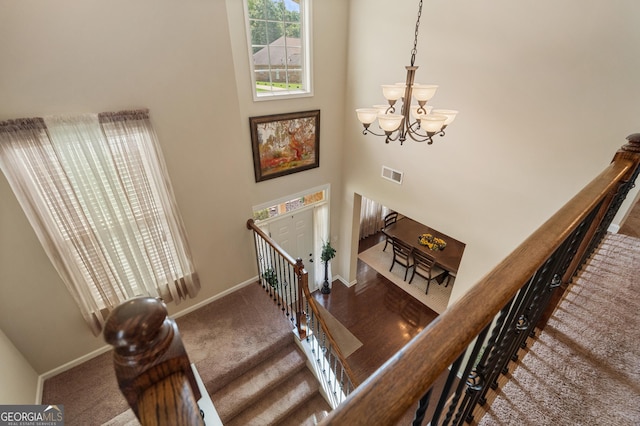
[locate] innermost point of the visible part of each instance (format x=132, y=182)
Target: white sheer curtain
x=321, y=235
x=371, y=217
x=96, y=192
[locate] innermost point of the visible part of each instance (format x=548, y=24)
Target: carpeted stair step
x=314, y=411
x=252, y=386
x=253, y=354
x=280, y=402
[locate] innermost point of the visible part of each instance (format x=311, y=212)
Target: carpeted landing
x=438, y=296
x=245, y=353
x=584, y=368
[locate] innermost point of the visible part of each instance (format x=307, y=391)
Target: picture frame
x=285, y=143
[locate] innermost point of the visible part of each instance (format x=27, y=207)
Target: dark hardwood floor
x=380, y=314
x=385, y=318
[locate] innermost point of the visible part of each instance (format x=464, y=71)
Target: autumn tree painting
x=285, y=143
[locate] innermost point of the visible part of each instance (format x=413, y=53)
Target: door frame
x=263, y=223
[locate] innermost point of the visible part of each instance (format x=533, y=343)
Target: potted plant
x=270, y=277
x=327, y=254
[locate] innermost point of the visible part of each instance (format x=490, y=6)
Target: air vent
x=392, y=175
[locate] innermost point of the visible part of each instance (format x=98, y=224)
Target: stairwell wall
x=547, y=93
x=187, y=62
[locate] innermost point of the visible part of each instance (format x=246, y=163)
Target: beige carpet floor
x=221, y=337
x=584, y=368
x=438, y=296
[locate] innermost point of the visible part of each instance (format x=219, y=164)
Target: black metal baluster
x=345, y=391
x=486, y=362
x=256, y=244
x=266, y=267
x=323, y=350
x=263, y=260
x=286, y=276
x=327, y=361
x=521, y=326
x=474, y=381
x=453, y=407
x=496, y=351
x=288, y=285
x=444, y=396
x=422, y=408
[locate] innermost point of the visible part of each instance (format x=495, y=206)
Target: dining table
x=409, y=231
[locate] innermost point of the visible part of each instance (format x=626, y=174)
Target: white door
x=294, y=233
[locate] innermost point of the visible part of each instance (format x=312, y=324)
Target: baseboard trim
x=39, y=386
x=106, y=348
x=613, y=228
x=346, y=282
x=228, y=291
x=74, y=363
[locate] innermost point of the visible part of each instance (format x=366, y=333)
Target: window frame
x=306, y=55
x=274, y=204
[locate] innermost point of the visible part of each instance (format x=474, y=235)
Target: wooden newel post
x=151, y=363
x=303, y=280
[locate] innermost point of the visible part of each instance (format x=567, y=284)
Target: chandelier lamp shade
x=415, y=120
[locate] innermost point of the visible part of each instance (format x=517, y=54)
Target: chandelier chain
x=414, y=51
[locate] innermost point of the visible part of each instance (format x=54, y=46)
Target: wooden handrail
x=251, y=225
x=404, y=379
x=151, y=364
x=155, y=375
x=303, y=281
x=325, y=328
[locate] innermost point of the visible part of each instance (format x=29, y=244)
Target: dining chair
x=450, y=277
x=424, y=266
x=401, y=255
x=389, y=219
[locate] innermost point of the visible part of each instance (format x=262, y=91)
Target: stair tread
x=314, y=410
x=279, y=402
x=250, y=387
x=236, y=369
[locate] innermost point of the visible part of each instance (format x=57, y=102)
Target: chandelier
x=427, y=122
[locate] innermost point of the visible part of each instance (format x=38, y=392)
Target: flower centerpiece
x=433, y=243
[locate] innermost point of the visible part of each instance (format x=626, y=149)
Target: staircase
x=273, y=387
x=584, y=366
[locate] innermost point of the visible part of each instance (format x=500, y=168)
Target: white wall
x=547, y=92
x=19, y=380
x=179, y=60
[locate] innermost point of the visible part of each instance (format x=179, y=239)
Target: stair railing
x=287, y=282
x=151, y=364
x=474, y=341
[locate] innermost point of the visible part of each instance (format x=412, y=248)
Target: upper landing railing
x=472, y=342
x=476, y=338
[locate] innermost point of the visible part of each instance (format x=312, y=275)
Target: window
x=277, y=208
x=278, y=33
x=95, y=190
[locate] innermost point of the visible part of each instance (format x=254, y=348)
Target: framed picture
x=285, y=143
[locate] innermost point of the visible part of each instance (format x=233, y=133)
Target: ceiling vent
x=392, y=175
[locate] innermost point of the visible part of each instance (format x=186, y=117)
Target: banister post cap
x=634, y=143
x=134, y=322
